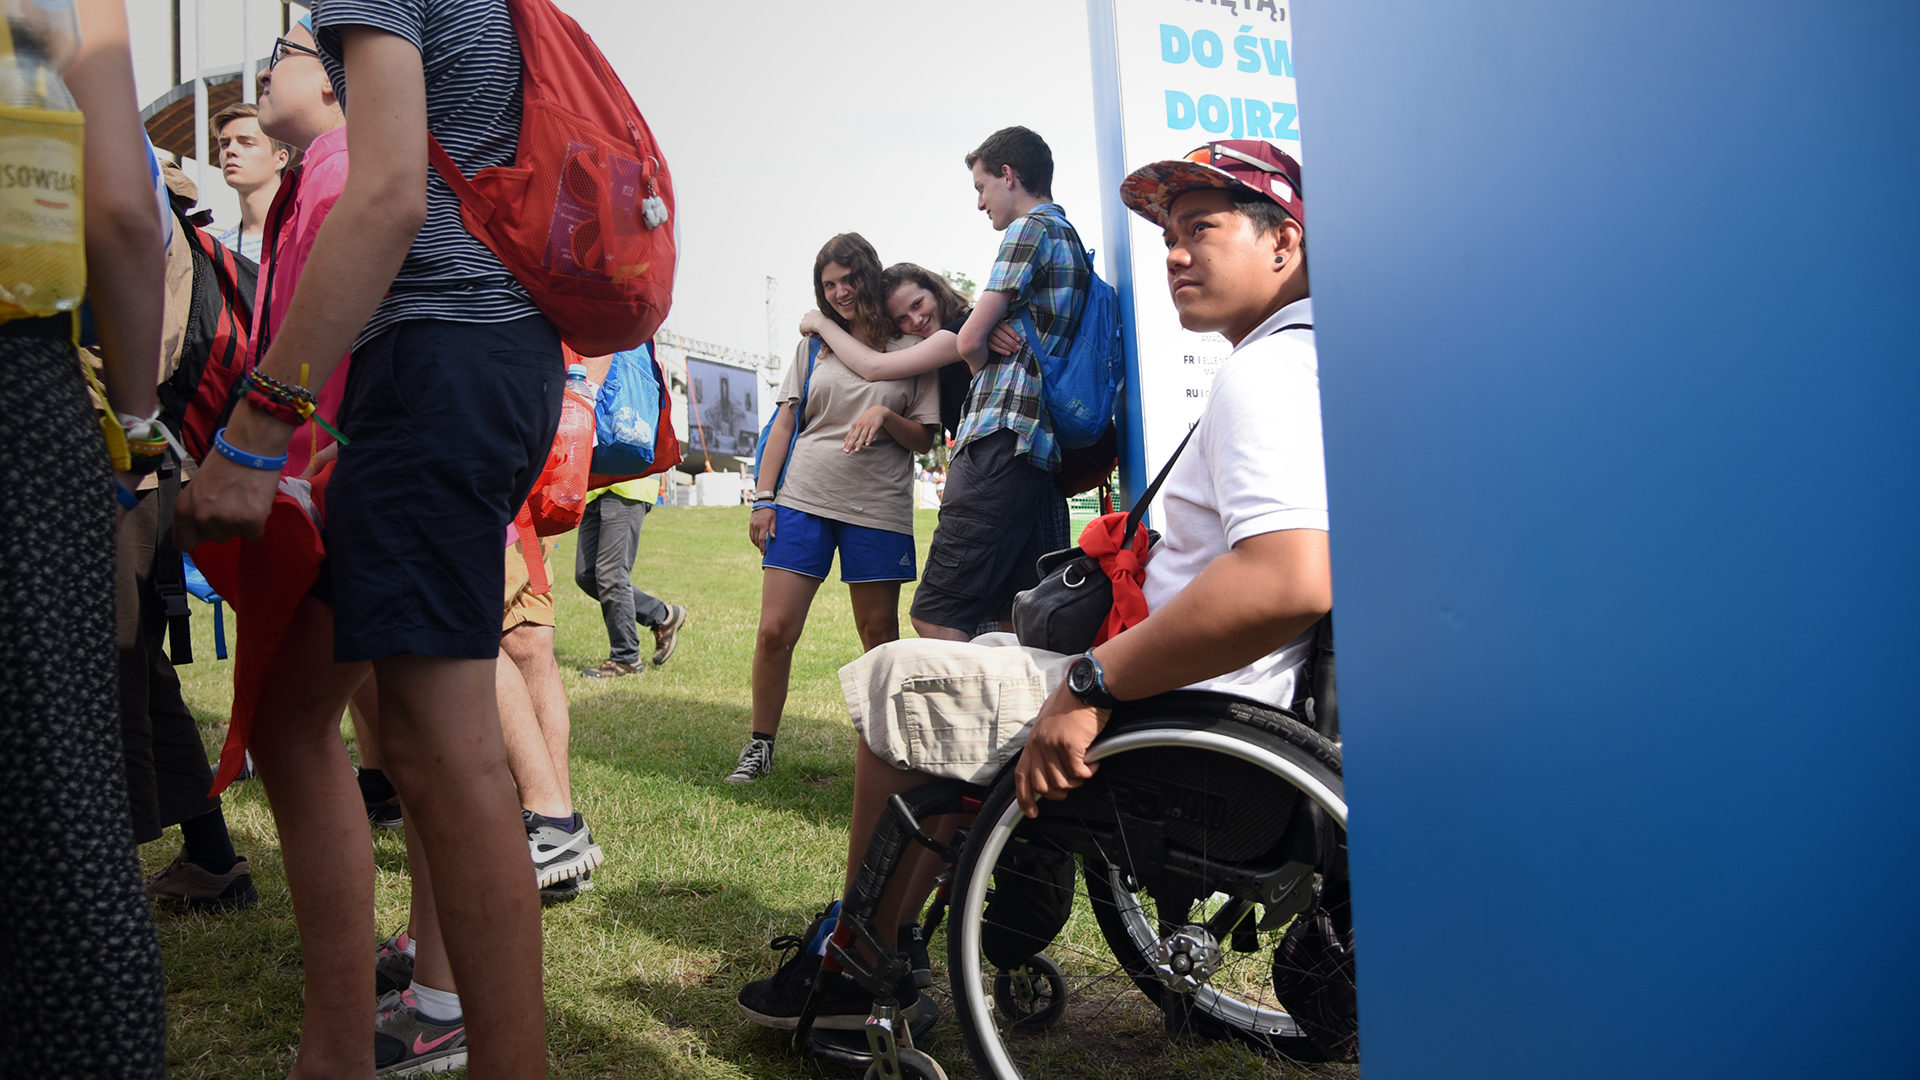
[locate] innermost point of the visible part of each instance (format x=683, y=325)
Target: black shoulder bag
x=1063, y=613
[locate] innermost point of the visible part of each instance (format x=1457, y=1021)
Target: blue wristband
x=241, y=457
x=127, y=498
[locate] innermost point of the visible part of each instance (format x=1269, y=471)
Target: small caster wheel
x=914, y=1065
x=1032, y=995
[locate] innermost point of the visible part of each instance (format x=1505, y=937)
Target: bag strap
x=470, y=198
x=1146, y=497
x=276, y=220
x=537, y=582
x=814, y=343
x=169, y=576
x=1080, y=257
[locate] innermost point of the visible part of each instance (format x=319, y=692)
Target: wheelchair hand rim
x=1299, y=777
x=996, y=835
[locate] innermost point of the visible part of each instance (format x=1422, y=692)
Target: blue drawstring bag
x=626, y=415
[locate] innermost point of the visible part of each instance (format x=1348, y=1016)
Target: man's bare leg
x=874, y=782
x=323, y=841
x=440, y=736
x=533, y=717
x=940, y=633
x=361, y=708
x=521, y=651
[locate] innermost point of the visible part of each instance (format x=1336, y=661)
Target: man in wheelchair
x=1233, y=590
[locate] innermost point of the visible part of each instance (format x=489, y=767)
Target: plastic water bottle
x=578, y=383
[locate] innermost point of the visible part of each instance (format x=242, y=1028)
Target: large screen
x=723, y=410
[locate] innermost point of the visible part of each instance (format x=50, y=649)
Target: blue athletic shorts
x=450, y=425
x=804, y=544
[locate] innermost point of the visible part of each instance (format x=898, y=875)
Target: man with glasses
x=298, y=107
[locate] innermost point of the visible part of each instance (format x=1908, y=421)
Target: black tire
x=1033, y=996
x=1108, y=981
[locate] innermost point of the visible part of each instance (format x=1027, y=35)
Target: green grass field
x=641, y=971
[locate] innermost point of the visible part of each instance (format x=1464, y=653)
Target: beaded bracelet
x=292, y=412
x=763, y=506
x=284, y=411
x=241, y=457
x=275, y=388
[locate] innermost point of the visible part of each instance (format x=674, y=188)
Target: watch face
x=1080, y=676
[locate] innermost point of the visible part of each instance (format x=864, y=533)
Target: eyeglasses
x=282, y=47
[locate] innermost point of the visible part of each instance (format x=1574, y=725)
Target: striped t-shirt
x=472, y=64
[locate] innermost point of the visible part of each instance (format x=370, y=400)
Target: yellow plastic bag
x=43, y=259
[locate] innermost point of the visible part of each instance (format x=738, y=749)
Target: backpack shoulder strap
x=470, y=198
x=800, y=411
x=1081, y=259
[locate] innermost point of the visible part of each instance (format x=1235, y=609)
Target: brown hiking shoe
x=666, y=634
x=610, y=669
x=183, y=882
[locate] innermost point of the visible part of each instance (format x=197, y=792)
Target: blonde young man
x=251, y=162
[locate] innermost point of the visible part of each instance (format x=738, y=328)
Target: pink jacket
x=323, y=175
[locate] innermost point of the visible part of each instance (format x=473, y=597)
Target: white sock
x=439, y=1006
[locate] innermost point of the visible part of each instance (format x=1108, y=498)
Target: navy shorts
x=804, y=543
x=1000, y=513
x=450, y=424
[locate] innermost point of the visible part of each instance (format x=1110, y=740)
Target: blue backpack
x=799, y=421
x=626, y=414
x=1080, y=388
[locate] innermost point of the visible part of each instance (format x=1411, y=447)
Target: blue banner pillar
x=1621, y=377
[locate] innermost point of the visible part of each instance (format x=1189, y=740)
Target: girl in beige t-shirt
x=846, y=485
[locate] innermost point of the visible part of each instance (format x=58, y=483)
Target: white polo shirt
x=1255, y=465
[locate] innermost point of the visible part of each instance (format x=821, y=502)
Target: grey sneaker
x=392, y=965
x=187, y=883
x=667, y=634
x=756, y=761
x=559, y=854
x=562, y=891
x=407, y=1044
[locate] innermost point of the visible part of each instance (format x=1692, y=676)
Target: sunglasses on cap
x=1218, y=154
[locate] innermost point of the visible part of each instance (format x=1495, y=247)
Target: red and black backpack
x=199, y=396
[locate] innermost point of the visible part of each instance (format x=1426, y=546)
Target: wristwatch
x=1087, y=681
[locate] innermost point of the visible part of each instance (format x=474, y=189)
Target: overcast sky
x=786, y=123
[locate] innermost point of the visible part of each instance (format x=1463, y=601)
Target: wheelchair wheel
x=1146, y=953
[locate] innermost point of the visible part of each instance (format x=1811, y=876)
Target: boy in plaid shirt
x=1002, y=510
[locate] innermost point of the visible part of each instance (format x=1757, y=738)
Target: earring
x=1278, y=259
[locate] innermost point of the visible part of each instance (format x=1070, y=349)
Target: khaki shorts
x=523, y=605
x=955, y=710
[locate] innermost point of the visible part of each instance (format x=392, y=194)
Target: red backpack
x=580, y=217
